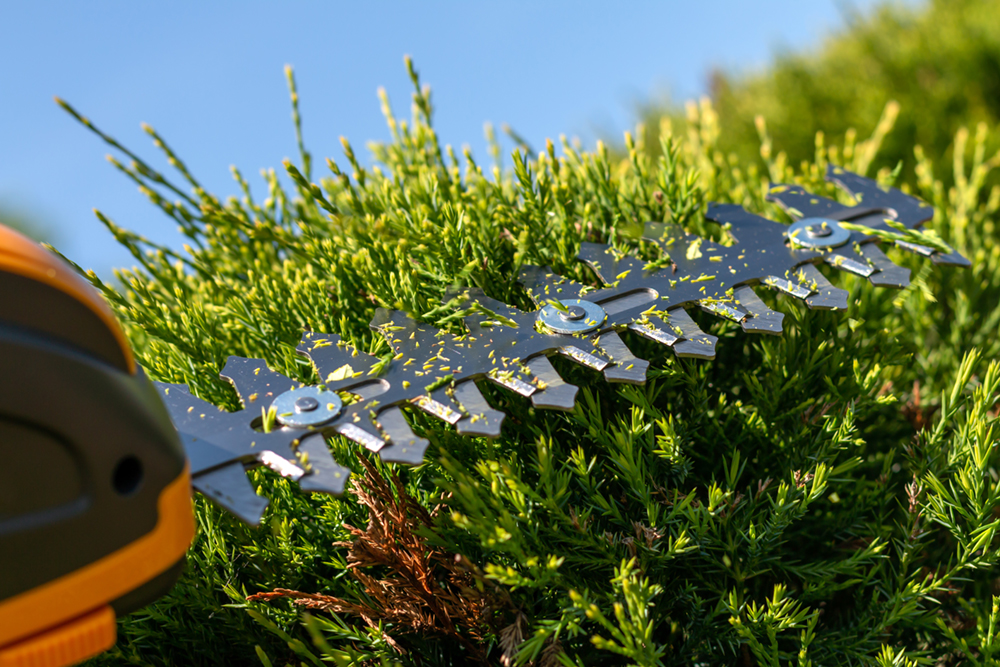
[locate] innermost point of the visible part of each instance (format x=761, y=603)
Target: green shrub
x=824, y=497
x=938, y=59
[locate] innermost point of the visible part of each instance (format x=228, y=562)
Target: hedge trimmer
x=437, y=372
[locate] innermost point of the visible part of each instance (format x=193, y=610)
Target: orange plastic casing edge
x=24, y=257
x=88, y=589
x=70, y=643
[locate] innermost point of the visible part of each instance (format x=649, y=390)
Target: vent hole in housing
x=127, y=476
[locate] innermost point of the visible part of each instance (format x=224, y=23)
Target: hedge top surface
x=823, y=497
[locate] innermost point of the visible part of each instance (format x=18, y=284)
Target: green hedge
x=939, y=60
x=821, y=498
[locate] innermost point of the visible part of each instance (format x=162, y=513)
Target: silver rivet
x=817, y=233
x=306, y=406
x=577, y=316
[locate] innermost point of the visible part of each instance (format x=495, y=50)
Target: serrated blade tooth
x=323, y=474
x=694, y=342
x=839, y=260
x=404, y=446
x=627, y=368
x=256, y=384
x=584, y=358
x=916, y=248
x=515, y=381
x=760, y=318
x=281, y=465
x=789, y=287
x=722, y=309
x=439, y=404
x=362, y=434
x=655, y=329
x=950, y=259
x=826, y=296
x=483, y=419
x=888, y=274
x=555, y=394
x=229, y=487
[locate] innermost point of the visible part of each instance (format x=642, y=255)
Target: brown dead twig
x=919, y=414
x=425, y=591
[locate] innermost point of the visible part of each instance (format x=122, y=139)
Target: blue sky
x=208, y=76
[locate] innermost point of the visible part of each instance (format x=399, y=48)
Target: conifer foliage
x=826, y=497
x=939, y=59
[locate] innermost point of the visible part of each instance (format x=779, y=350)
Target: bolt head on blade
x=818, y=233
x=580, y=317
x=307, y=406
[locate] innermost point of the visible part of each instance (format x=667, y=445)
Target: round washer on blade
x=581, y=316
x=818, y=233
x=307, y=406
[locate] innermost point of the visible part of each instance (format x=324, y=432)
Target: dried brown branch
x=919, y=413
x=411, y=587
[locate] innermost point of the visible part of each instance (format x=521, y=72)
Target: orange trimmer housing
x=95, y=494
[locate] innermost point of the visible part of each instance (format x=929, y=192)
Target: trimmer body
x=95, y=494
